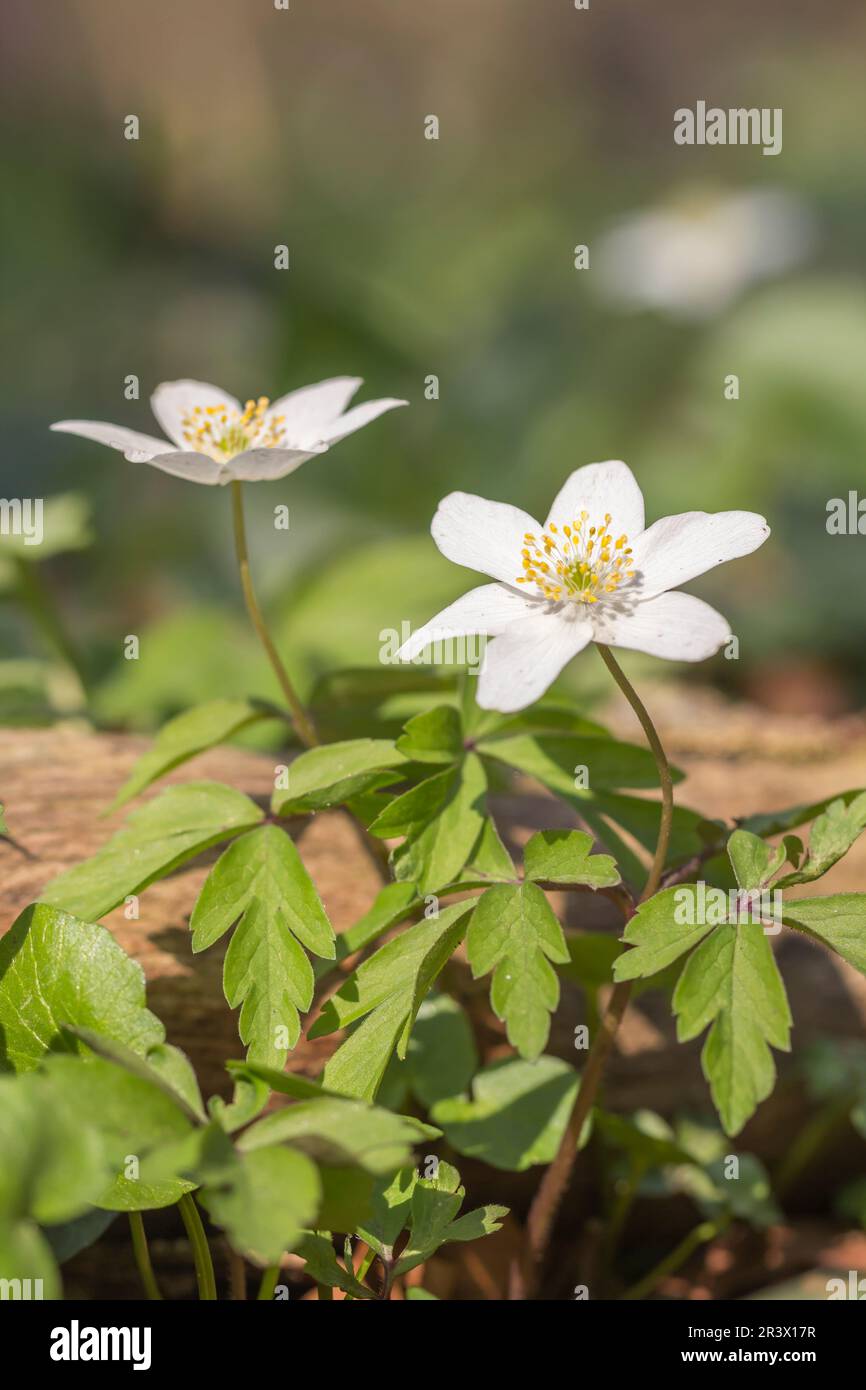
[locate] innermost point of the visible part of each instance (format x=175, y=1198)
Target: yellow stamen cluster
x=222, y=432
x=576, y=561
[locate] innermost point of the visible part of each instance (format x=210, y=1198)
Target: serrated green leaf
x=437, y=851
x=260, y=883
x=732, y=982
x=777, y=822
x=565, y=856
x=662, y=930
x=429, y=1208
x=163, y=834
x=389, y=987
x=56, y=970
x=754, y=861
x=409, y=813
x=490, y=859
x=273, y=1194
x=325, y=1268
x=516, y=1116
x=833, y=833
x=335, y=772
x=436, y=736
x=838, y=921
x=203, y=726
x=515, y=933
x=390, y=1206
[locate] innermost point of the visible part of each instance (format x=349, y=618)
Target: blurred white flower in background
x=695, y=255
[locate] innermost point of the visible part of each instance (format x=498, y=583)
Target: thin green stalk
x=142, y=1257
x=665, y=780
x=555, y=1182
x=269, y=1283
x=304, y=726
x=200, y=1249
x=706, y=1231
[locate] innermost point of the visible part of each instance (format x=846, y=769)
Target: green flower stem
x=269, y=1283
x=304, y=726
x=554, y=1184
x=201, y=1250
x=142, y=1257
x=667, y=786
x=701, y=1235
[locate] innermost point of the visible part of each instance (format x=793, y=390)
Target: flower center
x=578, y=562
x=222, y=432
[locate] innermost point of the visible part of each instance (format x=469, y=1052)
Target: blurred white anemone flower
x=693, y=257
x=215, y=439
x=592, y=573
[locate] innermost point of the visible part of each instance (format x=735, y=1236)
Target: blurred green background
x=412, y=257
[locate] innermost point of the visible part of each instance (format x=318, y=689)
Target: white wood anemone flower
x=591, y=573
x=215, y=439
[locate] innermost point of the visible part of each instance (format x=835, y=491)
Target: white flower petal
x=140, y=448
x=263, y=465
x=355, y=419
x=174, y=400
x=599, y=488
x=678, y=627
x=482, y=535
x=310, y=409
x=519, y=666
x=183, y=463
x=677, y=548
x=488, y=609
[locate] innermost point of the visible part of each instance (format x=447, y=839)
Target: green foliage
x=56, y=970
x=839, y=922
x=515, y=933
x=517, y=1113
x=261, y=884
x=563, y=856
x=199, y=728
x=386, y=992
x=732, y=982
x=163, y=834
x=336, y=772
x=428, y=1208
x=441, y=1058
x=440, y=843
